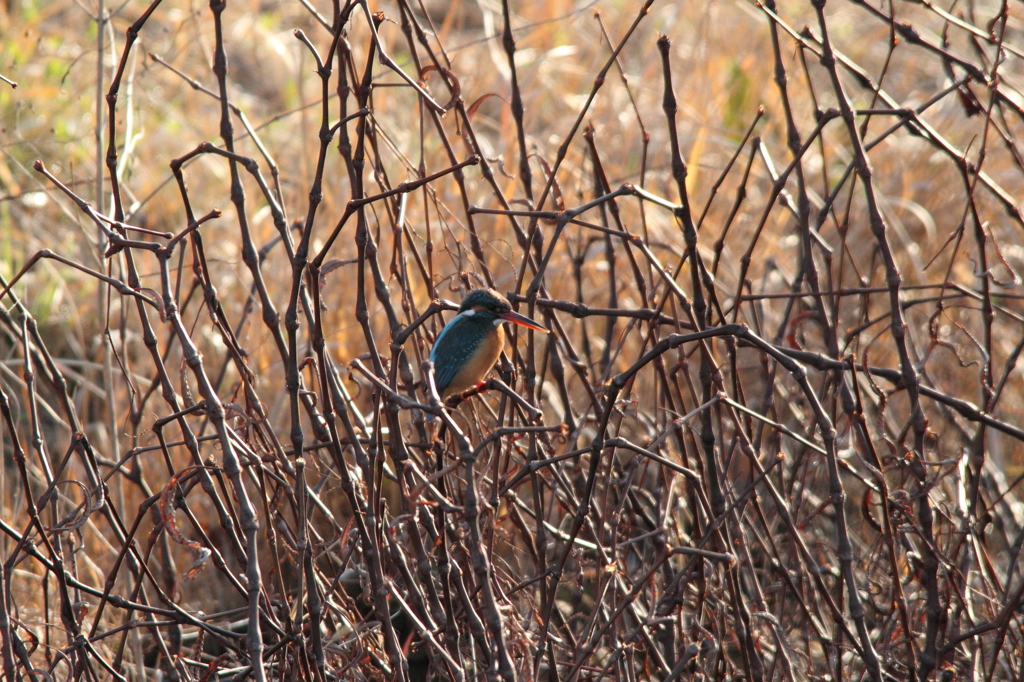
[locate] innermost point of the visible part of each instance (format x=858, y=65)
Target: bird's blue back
x=456, y=343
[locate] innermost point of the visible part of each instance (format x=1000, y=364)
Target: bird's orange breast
x=476, y=367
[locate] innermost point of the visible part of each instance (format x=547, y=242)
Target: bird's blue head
x=488, y=304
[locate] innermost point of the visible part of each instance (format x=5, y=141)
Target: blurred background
x=937, y=99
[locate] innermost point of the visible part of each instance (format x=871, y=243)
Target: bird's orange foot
x=480, y=387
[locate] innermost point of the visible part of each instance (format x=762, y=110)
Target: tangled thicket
x=774, y=433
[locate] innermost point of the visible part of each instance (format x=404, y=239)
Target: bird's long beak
x=523, y=321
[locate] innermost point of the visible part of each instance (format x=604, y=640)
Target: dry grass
x=797, y=492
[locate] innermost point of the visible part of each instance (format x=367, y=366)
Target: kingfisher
x=468, y=346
